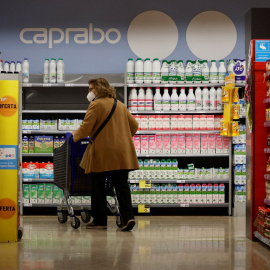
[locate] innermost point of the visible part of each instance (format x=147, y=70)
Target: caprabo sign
x=80, y=35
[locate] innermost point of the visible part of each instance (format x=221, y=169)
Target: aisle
x=212, y=243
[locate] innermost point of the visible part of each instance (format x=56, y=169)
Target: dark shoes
x=129, y=226
x=97, y=227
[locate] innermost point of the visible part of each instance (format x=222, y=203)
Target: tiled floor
x=175, y=242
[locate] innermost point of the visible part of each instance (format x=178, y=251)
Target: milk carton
x=43, y=144
x=210, y=124
x=186, y=193
x=33, y=193
x=152, y=164
x=30, y=170
x=159, y=122
x=217, y=122
x=137, y=143
x=157, y=169
x=181, y=122
x=25, y=144
x=211, y=143
x=56, y=194
x=204, y=143
x=144, y=122
x=237, y=174
x=26, y=193
x=166, y=122
x=215, y=193
x=221, y=193
x=72, y=124
x=152, y=144
x=152, y=122
x=180, y=193
x=203, y=122
x=209, y=194
x=146, y=169
x=62, y=140
x=180, y=173
x=169, y=194
x=243, y=175
x=196, y=122
x=181, y=138
x=188, y=122
x=226, y=144
x=196, y=140
x=219, y=144
x=152, y=196
x=158, y=194
x=48, y=193
x=174, y=143
x=159, y=144
x=192, y=193
x=163, y=193
x=163, y=169
x=174, y=169
x=140, y=172
x=85, y=199
x=141, y=196
x=189, y=144
x=138, y=119
x=174, y=122
x=40, y=193
x=56, y=142
x=136, y=195
x=46, y=170
x=198, y=194
x=169, y=169
x=166, y=143
x=79, y=123
x=204, y=194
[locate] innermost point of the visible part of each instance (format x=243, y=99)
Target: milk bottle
x=12, y=67
x=191, y=100
x=149, y=100
x=60, y=71
x=197, y=72
x=219, y=99
x=130, y=71
x=172, y=72
x=205, y=72
x=166, y=100
x=189, y=72
x=206, y=99
x=1, y=68
x=25, y=71
x=213, y=98
x=6, y=66
x=141, y=100
x=198, y=98
x=174, y=100
x=133, y=100
x=182, y=100
x=158, y=100
x=221, y=72
x=46, y=71
x=180, y=72
x=156, y=71
x=213, y=72
x=139, y=71
x=52, y=76
x=19, y=66
x=230, y=65
x=164, y=72
x=147, y=71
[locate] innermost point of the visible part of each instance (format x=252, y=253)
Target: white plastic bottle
x=158, y=100
x=219, y=99
x=147, y=71
x=206, y=99
x=19, y=66
x=141, y=100
x=198, y=98
x=221, y=72
x=6, y=66
x=1, y=67
x=60, y=71
x=130, y=71
x=12, y=67
x=213, y=98
x=197, y=72
x=182, y=100
x=166, y=100
x=191, y=102
x=205, y=72
x=181, y=72
x=230, y=65
x=189, y=72
x=164, y=72
x=133, y=100
x=213, y=72
x=139, y=71
x=52, y=76
x=25, y=71
x=46, y=71
x=174, y=100
x=156, y=71
x=149, y=99
x=172, y=72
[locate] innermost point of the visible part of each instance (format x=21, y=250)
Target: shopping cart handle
x=68, y=135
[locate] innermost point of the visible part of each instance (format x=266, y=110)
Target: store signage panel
x=8, y=157
x=262, y=49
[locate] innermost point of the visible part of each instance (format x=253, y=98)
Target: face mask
x=90, y=96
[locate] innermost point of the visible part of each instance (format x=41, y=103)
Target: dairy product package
x=137, y=143
x=226, y=144
x=239, y=70
x=43, y=144
x=215, y=193
x=152, y=122
x=30, y=170
x=211, y=143
x=204, y=194
x=46, y=170
x=209, y=194
x=166, y=122
x=203, y=122
x=159, y=122
x=196, y=122
x=40, y=193
x=138, y=119
x=174, y=122
x=181, y=122
x=221, y=193
x=144, y=122
x=48, y=193
x=174, y=144
x=152, y=144
x=196, y=140
x=186, y=193
x=159, y=144
x=166, y=143
x=56, y=194
x=188, y=122
x=189, y=144
x=204, y=143
x=26, y=193
x=181, y=138
x=192, y=193
x=217, y=122
x=198, y=194
x=33, y=193
x=219, y=144
x=180, y=191
x=210, y=124
x=144, y=144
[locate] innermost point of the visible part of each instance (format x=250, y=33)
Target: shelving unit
x=182, y=181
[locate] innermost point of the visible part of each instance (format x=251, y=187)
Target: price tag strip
x=143, y=208
x=145, y=184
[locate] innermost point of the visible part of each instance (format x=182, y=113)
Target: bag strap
x=105, y=122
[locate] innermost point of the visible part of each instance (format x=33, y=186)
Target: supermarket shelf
x=45, y=131
x=177, y=131
x=262, y=239
x=177, y=112
x=52, y=205
x=267, y=150
x=182, y=155
x=267, y=124
x=267, y=177
x=171, y=181
x=65, y=85
x=174, y=85
x=53, y=111
x=185, y=205
x=37, y=154
x=267, y=201
x=38, y=180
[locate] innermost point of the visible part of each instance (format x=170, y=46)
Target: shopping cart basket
x=70, y=177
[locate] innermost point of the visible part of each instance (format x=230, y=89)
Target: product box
x=211, y=143
x=196, y=122
x=198, y=194
x=140, y=172
x=26, y=193
x=192, y=193
x=174, y=143
x=209, y=194
x=210, y=124
x=146, y=169
x=189, y=144
x=56, y=194
x=217, y=122
x=203, y=122
x=77, y=199
x=196, y=140
x=219, y=144
x=243, y=175
x=186, y=193
x=204, y=143
x=181, y=138
x=86, y=199
x=152, y=122
x=180, y=190
x=159, y=144
x=40, y=193
x=181, y=122
x=237, y=174
x=48, y=193
x=79, y=123
x=152, y=144
x=144, y=122
x=174, y=122
x=33, y=193
x=158, y=194
x=166, y=143
x=163, y=169
x=138, y=119
x=46, y=124
x=30, y=170
x=159, y=122
x=166, y=122
x=215, y=193
x=188, y=122
x=46, y=170
x=25, y=144
x=157, y=169
x=226, y=144
x=221, y=193
x=204, y=194
x=43, y=144
x=137, y=143
x=64, y=124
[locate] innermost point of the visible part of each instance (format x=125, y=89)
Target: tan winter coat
x=113, y=148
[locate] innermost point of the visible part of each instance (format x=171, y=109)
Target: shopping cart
x=70, y=177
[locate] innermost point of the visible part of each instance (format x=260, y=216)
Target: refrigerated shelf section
x=46, y=131
x=185, y=205
x=177, y=132
x=181, y=181
x=54, y=111
x=178, y=112
x=182, y=155
x=65, y=85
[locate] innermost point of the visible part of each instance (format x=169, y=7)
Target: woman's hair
x=103, y=88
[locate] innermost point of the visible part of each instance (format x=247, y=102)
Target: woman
x=112, y=151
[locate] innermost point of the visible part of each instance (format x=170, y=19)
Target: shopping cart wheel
x=85, y=216
x=119, y=222
x=62, y=217
x=77, y=223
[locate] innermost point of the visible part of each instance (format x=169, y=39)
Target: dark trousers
x=98, y=198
